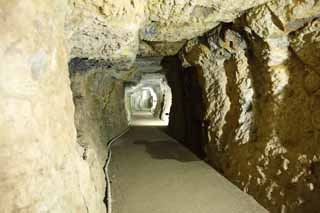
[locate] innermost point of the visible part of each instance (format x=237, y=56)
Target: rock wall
x=42, y=169
x=99, y=115
x=260, y=83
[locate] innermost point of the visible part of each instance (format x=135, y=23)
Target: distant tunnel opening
x=169, y=96
x=148, y=99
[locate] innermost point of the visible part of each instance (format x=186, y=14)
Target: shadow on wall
x=167, y=150
x=186, y=114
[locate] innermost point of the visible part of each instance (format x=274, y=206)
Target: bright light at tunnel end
x=148, y=102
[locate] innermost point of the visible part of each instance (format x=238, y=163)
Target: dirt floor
x=152, y=173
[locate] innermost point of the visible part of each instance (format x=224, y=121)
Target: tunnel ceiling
x=148, y=64
x=117, y=31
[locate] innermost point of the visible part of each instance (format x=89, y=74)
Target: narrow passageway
x=153, y=173
x=160, y=106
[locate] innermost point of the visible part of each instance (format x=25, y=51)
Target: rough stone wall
x=99, y=115
x=41, y=166
x=260, y=80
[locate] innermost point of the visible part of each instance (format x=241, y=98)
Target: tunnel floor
x=146, y=119
x=153, y=173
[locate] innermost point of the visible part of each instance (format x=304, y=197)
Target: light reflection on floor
x=146, y=119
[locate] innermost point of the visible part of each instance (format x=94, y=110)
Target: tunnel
x=148, y=101
x=171, y=106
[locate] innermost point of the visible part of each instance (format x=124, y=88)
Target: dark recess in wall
x=186, y=114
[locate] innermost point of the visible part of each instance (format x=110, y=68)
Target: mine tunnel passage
x=242, y=78
x=155, y=158
x=151, y=171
